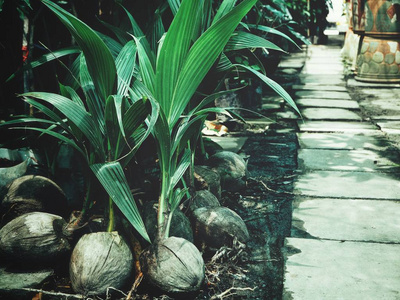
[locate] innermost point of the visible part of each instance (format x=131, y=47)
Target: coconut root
x=229, y=292
x=67, y=296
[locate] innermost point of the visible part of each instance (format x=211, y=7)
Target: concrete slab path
x=345, y=238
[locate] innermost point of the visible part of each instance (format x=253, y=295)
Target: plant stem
x=111, y=216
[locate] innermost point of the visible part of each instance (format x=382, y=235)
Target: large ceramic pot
x=378, y=58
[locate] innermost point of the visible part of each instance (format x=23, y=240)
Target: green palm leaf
x=137, y=32
x=275, y=86
x=77, y=115
x=112, y=177
x=99, y=59
x=57, y=135
x=125, y=64
x=225, y=7
x=243, y=40
x=173, y=54
x=45, y=59
x=146, y=69
x=202, y=56
x=273, y=31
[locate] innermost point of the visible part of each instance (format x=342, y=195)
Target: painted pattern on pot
x=382, y=17
x=358, y=16
x=379, y=60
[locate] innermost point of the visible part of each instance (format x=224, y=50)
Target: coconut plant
x=93, y=270
x=106, y=122
x=34, y=238
x=32, y=193
x=219, y=226
x=231, y=167
x=109, y=124
x=185, y=56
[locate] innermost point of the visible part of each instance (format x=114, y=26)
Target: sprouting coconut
x=32, y=193
x=34, y=238
x=218, y=226
x=231, y=167
x=180, y=224
x=203, y=198
x=100, y=260
x=173, y=265
x=206, y=178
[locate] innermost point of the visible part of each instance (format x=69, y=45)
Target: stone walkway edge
x=345, y=236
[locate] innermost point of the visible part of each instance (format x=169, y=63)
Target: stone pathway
x=345, y=239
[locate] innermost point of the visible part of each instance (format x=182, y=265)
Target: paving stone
x=323, y=95
x=330, y=114
x=233, y=144
x=347, y=160
x=357, y=185
x=350, y=220
x=287, y=115
x=322, y=68
x=354, y=83
x=343, y=141
x=313, y=87
x=271, y=106
x=295, y=63
x=348, y=104
x=260, y=121
x=12, y=282
x=386, y=118
x=341, y=270
x=322, y=79
x=385, y=108
x=336, y=126
x=383, y=94
x=390, y=127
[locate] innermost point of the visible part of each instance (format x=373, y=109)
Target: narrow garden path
x=345, y=237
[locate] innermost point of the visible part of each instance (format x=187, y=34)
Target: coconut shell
x=34, y=237
x=218, y=226
x=173, y=265
x=232, y=168
x=98, y=261
x=33, y=193
x=206, y=178
x=180, y=224
x=203, y=198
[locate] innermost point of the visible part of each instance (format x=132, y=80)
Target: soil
x=266, y=207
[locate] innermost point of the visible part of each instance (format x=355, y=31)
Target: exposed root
x=135, y=285
x=59, y=294
x=224, y=264
x=229, y=292
x=108, y=295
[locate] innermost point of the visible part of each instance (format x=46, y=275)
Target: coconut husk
x=34, y=238
x=33, y=193
x=180, y=224
x=218, y=226
x=173, y=265
x=203, y=198
x=232, y=168
x=100, y=260
x=207, y=179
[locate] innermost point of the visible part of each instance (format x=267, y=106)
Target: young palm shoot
x=182, y=64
